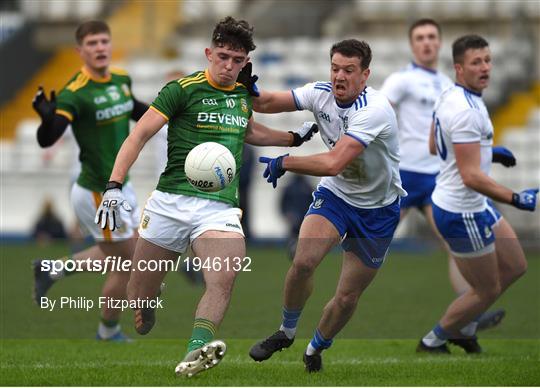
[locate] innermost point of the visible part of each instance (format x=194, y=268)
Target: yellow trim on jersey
x=215, y=85
x=107, y=234
x=101, y=80
x=64, y=113
x=118, y=71
x=158, y=111
x=114, y=119
x=194, y=82
x=185, y=80
x=79, y=82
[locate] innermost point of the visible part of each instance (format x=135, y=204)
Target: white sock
x=107, y=332
x=289, y=332
x=470, y=329
x=310, y=351
x=432, y=340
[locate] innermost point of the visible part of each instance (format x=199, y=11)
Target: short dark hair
x=237, y=34
x=424, y=22
x=467, y=42
x=90, y=28
x=353, y=48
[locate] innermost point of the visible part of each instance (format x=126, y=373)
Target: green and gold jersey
x=99, y=111
x=198, y=111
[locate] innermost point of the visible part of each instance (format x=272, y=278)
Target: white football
x=210, y=167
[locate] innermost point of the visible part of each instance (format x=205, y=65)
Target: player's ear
x=458, y=68
x=366, y=73
x=208, y=53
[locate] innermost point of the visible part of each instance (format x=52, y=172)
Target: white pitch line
x=240, y=360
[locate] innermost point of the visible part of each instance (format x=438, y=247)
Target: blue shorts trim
x=365, y=232
x=494, y=214
x=419, y=187
x=468, y=234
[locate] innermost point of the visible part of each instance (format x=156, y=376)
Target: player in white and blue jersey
x=413, y=92
x=356, y=202
x=484, y=245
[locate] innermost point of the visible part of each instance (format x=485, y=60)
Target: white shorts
x=172, y=221
x=86, y=203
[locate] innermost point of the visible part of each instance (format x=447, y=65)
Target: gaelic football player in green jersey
x=97, y=102
x=205, y=106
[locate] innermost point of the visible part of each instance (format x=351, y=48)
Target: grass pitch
x=347, y=363
x=408, y=296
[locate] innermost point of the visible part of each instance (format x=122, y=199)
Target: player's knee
x=303, y=267
x=346, y=301
x=519, y=269
x=490, y=293
x=221, y=282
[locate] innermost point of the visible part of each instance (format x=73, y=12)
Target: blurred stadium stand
x=293, y=40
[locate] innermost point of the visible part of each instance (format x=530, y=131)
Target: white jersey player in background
x=484, y=245
x=356, y=202
x=413, y=92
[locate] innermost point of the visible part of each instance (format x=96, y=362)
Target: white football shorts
x=172, y=221
x=86, y=202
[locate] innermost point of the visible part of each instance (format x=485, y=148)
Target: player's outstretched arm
x=274, y=102
x=468, y=162
x=113, y=201
x=260, y=135
x=52, y=125
x=329, y=163
x=148, y=125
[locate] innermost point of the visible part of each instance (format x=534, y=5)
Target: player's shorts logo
x=318, y=203
x=487, y=232
x=145, y=221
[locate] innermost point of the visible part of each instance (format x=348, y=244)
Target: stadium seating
x=284, y=63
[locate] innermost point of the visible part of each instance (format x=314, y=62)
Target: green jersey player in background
x=98, y=103
x=205, y=106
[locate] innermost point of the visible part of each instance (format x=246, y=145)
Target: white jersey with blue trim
x=371, y=180
x=460, y=117
x=413, y=92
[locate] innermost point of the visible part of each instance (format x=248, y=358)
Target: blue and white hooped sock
x=436, y=337
x=318, y=343
x=290, y=321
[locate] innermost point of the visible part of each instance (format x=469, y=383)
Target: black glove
x=44, y=108
x=503, y=156
x=304, y=133
x=248, y=80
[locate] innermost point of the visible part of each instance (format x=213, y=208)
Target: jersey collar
x=346, y=106
x=215, y=85
x=85, y=71
x=417, y=66
x=469, y=90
